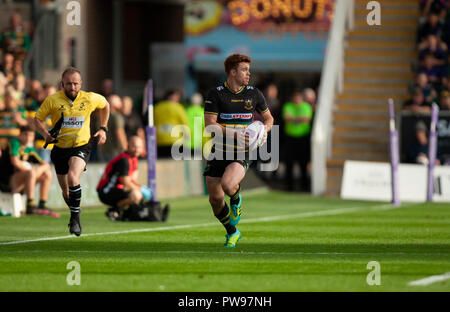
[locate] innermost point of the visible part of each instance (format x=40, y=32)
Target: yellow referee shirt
x=75, y=130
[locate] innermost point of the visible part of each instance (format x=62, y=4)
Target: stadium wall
x=174, y=179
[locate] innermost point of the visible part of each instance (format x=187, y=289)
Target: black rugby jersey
x=234, y=109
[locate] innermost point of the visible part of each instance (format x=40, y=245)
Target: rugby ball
x=255, y=131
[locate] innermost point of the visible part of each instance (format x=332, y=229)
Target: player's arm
x=134, y=177
x=104, y=117
x=211, y=123
x=267, y=120
x=212, y=126
x=129, y=183
x=42, y=129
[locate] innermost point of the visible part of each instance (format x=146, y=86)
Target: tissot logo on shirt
x=236, y=116
x=73, y=122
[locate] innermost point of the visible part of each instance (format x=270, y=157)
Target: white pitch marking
x=430, y=280
x=187, y=226
x=294, y=253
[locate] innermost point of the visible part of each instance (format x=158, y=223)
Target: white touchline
x=240, y=252
x=430, y=280
x=187, y=226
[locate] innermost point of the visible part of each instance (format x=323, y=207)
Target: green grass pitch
x=290, y=242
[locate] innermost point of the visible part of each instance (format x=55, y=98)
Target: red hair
x=233, y=61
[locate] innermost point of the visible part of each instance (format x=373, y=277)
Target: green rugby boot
x=235, y=215
x=232, y=239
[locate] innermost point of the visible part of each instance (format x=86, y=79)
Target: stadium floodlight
x=151, y=140
x=432, y=150
x=393, y=137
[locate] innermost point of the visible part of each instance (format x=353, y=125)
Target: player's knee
x=73, y=178
x=31, y=174
x=215, y=200
x=228, y=188
x=48, y=174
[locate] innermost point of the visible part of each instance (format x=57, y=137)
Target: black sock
x=67, y=201
x=234, y=199
x=30, y=202
x=74, y=198
x=224, y=218
x=42, y=204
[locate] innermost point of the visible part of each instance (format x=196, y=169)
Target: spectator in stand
x=428, y=91
x=8, y=66
x=168, y=114
x=17, y=67
x=271, y=94
x=49, y=89
x=117, y=143
x=35, y=96
x=444, y=100
x=446, y=28
x=434, y=72
x=432, y=26
x=15, y=39
x=433, y=45
x=13, y=116
x=417, y=104
x=107, y=87
x=20, y=83
x=418, y=151
x=297, y=116
x=446, y=72
x=133, y=122
x=23, y=169
x=3, y=84
x=436, y=6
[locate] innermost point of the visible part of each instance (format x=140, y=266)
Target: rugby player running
x=229, y=108
x=72, y=146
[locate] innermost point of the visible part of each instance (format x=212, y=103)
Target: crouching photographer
x=119, y=189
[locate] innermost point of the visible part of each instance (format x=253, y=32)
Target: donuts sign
x=241, y=11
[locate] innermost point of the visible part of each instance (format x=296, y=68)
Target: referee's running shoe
x=232, y=239
x=75, y=224
x=235, y=215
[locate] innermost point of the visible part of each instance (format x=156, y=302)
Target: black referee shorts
x=60, y=156
x=216, y=168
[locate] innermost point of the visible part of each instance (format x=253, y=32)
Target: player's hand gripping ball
x=256, y=132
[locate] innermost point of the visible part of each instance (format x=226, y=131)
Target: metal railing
x=331, y=81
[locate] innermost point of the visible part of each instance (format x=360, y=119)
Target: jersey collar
x=67, y=98
x=231, y=90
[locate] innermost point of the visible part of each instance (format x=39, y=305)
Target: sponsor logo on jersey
x=236, y=116
x=73, y=122
x=219, y=88
x=248, y=104
x=237, y=100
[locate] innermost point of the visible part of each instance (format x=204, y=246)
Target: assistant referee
x=72, y=146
